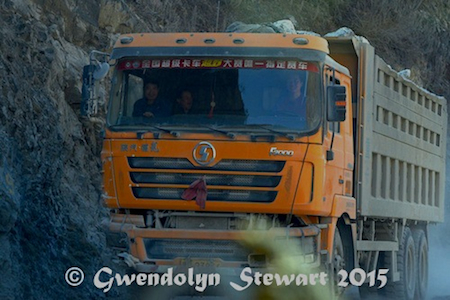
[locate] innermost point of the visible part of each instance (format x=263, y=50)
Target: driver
x=294, y=101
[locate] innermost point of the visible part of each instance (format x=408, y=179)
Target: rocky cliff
x=49, y=164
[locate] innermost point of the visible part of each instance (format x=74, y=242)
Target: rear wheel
x=421, y=245
x=403, y=289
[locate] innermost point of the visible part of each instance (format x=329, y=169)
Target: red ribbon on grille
x=197, y=190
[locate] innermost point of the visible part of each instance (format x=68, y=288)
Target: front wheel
x=338, y=262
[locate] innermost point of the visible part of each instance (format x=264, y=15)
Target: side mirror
x=100, y=70
x=336, y=105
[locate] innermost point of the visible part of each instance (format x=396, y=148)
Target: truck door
x=338, y=144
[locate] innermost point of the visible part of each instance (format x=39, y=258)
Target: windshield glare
x=240, y=94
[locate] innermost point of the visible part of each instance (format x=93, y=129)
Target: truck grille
x=243, y=187
x=211, y=179
x=223, y=165
x=213, y=195
x=170, y=249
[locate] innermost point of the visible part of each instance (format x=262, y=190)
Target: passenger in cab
x=151, y=105
x=184, y=103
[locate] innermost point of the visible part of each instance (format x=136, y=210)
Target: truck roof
x=202, y=39
x=276, y=45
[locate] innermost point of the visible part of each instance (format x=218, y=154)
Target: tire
x=342, y=256
x=421, y=245
x=404, y=289
x=341, y=259
x=338, y=262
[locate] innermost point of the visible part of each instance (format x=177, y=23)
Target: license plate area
x=200, y=262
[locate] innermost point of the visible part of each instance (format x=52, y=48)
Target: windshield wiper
x=229, y=134
x=272, y=137
x=290, y=136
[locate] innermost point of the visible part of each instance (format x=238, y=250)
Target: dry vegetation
x=412, y=34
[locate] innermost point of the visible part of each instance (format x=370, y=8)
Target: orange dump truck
x=212, y=136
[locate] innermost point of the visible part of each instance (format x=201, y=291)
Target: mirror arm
x=330, y=153
x=94, y=53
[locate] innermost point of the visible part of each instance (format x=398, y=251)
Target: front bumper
x=155, y=250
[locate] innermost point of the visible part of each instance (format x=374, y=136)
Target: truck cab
x=268, y=138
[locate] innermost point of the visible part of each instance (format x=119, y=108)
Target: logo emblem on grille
x=204, y=153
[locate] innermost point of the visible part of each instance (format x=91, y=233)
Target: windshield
x=194, y=94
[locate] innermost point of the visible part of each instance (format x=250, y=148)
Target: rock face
x=49, y=164
x=117, y=17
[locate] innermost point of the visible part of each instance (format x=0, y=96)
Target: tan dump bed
x=400, y=138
